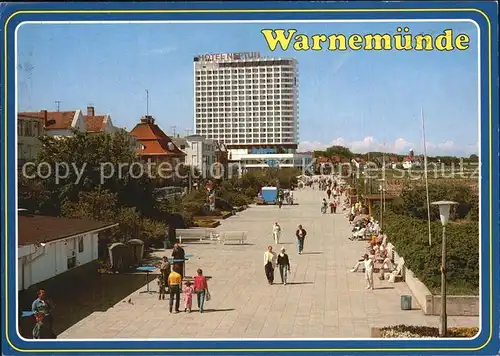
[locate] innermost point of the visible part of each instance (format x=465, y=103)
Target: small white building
x=249, y=160
x=30, y=126
x=200, y=153
x=49, y=246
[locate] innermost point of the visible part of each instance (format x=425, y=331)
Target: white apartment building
x=249, y=103
x=200, y=152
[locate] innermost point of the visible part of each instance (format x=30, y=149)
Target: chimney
x=44, y=117
x=90, y=111
x=147, y=119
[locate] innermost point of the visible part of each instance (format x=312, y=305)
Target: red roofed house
x=408, y=162
x=98, y=123
x=58, y=123
x=154, y=144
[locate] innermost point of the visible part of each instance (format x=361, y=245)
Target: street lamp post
x=382, y=202
x=444, y=214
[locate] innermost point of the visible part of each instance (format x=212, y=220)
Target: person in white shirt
x=270, y=260
x=276, y=233
x=361, y=261
x=368, y=262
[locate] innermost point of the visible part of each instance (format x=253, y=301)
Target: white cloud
x=400, y=146
x=446, y=146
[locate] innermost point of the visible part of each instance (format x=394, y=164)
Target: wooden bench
x=232, y=236
x=190, y=234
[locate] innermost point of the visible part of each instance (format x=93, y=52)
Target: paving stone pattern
x=323, y=299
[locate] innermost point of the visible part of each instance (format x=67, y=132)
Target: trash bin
x=406, y=302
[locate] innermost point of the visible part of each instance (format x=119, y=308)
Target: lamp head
x=444, y=210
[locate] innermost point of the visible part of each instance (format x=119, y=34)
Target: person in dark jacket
x=178, y=254
x=301, y=235
x=284, y=265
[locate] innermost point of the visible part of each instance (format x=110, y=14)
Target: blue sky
x=360, y=99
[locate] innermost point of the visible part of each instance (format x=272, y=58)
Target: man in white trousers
x=276, y=233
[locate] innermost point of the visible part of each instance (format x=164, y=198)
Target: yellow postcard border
x=171, y=11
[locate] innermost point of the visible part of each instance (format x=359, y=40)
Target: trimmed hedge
x=411, y=238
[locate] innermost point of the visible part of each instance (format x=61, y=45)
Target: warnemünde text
x=402, y=40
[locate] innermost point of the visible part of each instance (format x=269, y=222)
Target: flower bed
x=410, y=331
x=259, y=201
x=223, y=215
x=207, y=223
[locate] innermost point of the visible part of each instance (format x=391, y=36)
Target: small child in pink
x=188, y=291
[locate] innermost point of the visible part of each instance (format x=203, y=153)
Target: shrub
x=410, y=237
x=414, y=200
x=238, y=199
x=251, y=192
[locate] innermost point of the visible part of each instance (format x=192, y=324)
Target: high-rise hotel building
x=249, y=103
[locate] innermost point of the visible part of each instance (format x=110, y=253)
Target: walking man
x=174, y=283
x=283, y=265
x=165, y=269
x=269, y=264
x=329, y=193
x=324, y=206
x=276, y=233
x=43, y=305
x=301, y=235
x=179, y=255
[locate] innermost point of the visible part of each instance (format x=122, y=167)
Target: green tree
x=414, y=200
x=83, y=162
x=474, y=158
x=102, y=205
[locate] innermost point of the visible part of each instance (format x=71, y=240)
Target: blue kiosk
x=269, y=194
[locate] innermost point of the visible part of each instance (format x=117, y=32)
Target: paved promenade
x=322, y=299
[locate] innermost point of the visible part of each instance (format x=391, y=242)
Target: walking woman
x=200, y=288
x=269, y=264
x=284, y=265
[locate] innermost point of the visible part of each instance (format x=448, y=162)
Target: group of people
x=379, y=253
x=170, y=281
x=281, y=260
x=355, y=210
x=332, y=204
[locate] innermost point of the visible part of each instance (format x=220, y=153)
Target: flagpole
x=425, y=176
